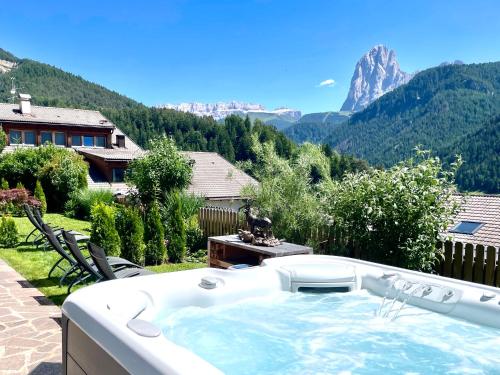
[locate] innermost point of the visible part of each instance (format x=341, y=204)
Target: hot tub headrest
x=321, y=273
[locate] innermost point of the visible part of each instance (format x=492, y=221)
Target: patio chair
x=38, y=239
x=54, y=241
x=119, y=266
x=37, y=214
x=105, y=269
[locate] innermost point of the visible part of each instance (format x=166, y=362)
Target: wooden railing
x=475, y=263
x=469, y=262
x=216, y=221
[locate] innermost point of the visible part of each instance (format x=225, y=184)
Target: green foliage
x=287, y=193
x=4, y=184
x=131, y=231
x=391, y=216
x=176, y=228
x=195, y=239
x=3, y=140
x=61, y=171
x=394, y=216
x=154, y=235
x=447, y=109
x=314, y=127
x=40, y=196
x=20, y=185
x=8, y=232
x=81, y=201
x=103, y=229
x=162, y=170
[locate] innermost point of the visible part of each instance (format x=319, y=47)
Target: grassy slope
x=34, y=264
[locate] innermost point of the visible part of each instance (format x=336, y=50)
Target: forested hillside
x=314, y=127
x=448, y=109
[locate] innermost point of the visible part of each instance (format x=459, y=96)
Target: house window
x=46, y=137
x=118, y=174
x=100, y=141
x=88, y=141
x=29, y=138
x=60, y=139
x=15, y=137
x=76, y=140
x=466, y=227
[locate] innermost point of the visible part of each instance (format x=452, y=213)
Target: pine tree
x=154, y=236
x=103, y=230
x=177, y=229
x=40, y=195
x=131, y=230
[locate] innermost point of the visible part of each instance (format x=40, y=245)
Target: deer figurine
x=254, y=222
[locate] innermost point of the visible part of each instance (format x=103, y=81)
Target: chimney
x=25, y=104
x=120, y=140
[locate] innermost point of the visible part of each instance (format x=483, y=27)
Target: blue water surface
x=298, y=333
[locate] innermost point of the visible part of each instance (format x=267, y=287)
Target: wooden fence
x=475, y=263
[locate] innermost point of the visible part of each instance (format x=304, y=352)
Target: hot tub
x=297, y=314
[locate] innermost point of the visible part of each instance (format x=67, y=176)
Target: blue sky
x=271, y=52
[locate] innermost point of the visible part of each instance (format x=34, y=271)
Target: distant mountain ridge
x=221, y=110
x=376, y=73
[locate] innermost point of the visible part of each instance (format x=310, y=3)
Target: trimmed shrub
x=40, y=196
x=176, y=249
x=131, y=231
x=8, y=232
x=12, y=200
x=4, y=184
x=195, y=239
x=81, y=201
x=103, y=230
x=154, y=235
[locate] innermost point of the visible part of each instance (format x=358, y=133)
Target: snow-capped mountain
x=376, y=73
x=221, y=109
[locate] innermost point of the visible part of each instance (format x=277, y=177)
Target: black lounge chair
x=119, y=266
x=54, y=241
x=37, y=214
x=105, y=269
x=37, y=238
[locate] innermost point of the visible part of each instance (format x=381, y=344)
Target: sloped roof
x=216, y=178
x=111, y=153
x=54, y=115
x=483, y=209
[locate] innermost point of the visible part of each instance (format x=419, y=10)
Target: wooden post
x=489, y=274
x=468, y=262
x=457, y=260
x=479, y=264
x=448, y=259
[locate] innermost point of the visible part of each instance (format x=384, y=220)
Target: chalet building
x=105, y=147
x=108, y=150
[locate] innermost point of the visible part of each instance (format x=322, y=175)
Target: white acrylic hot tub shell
x=103, y=310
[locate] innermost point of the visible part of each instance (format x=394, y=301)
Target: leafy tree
x=131, y=230
x=103, y=229
x=40, y=195
x=162, y=170
x=176, y=249
x=154, y=235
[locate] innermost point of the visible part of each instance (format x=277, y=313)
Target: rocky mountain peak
x=376, y=73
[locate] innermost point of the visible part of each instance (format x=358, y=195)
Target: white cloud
x=327, y=83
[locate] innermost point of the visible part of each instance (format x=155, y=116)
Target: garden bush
x=81, y=201
x=154, y=235
x=131, y=231
x=4, y=185
x=20, y=186
x=61, y=171
x=8, y=232
x=40, y=196
x=176, y=229
x=12, y=201
x=195, y=239
x=103, y=229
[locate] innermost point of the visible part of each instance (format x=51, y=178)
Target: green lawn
x=34, y=264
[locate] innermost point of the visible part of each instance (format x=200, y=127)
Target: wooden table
x=225, y=251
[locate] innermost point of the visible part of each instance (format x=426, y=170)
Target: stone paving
x=30, y=334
